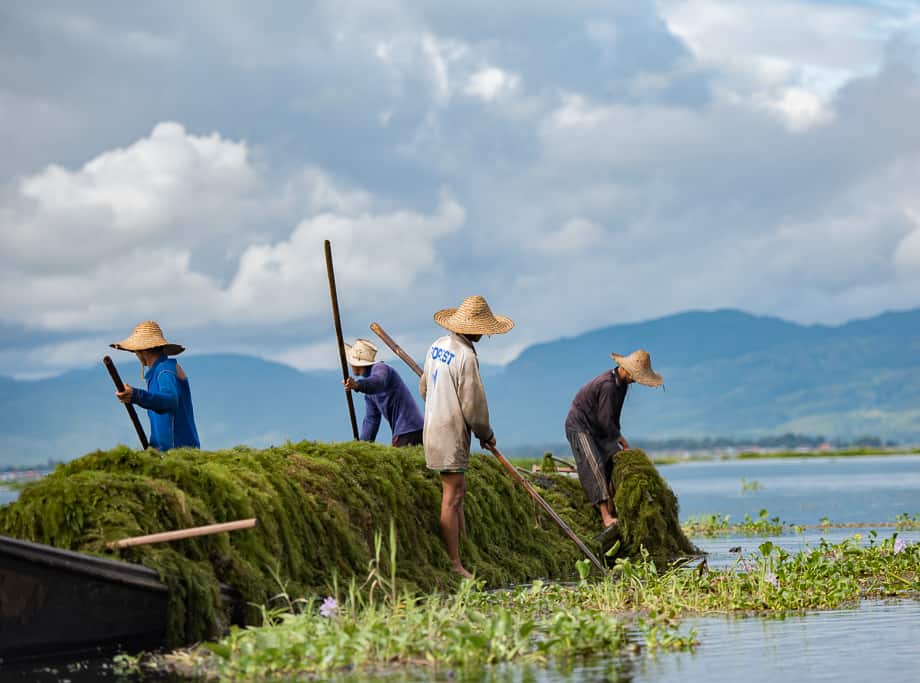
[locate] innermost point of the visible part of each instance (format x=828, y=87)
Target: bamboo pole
x=184, y=533
x=120, y=386
x=337, y=321
x=501, y=458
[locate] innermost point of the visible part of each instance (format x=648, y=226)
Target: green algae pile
x=319, y=507
x=647, y=510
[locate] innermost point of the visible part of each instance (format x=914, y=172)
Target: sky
x=579, y=164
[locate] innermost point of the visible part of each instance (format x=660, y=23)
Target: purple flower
x=329, y=607
x=770, y=578
x=899, y=545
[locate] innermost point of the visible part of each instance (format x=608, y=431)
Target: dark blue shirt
x=387, y=395
x=168, y=401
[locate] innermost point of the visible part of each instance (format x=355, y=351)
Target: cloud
x=786, y=57
x=490, y=82
x=557, y=159
x=116, y=239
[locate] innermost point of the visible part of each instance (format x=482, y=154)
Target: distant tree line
x=709, y=443
x=49, y=464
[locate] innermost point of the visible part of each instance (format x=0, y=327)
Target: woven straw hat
x=473, y=317
x=639, y=365
x=361, y=354
x=148, y=335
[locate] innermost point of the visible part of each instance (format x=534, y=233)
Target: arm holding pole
x=120, y=386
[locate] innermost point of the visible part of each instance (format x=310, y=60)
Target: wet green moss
x=647, y=510
x=319, y=506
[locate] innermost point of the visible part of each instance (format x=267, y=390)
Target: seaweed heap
x=319, y=507
x=647, y=511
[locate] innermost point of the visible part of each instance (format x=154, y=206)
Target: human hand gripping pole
x=501, y=458
x=120, y=386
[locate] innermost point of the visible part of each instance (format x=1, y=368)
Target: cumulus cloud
x=786, y=57
x=87, y=249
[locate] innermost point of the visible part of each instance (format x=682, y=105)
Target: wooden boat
x=57, y=602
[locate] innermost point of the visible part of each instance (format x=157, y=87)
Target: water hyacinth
x=899, y=545
x=771, y=578
x=329, y=607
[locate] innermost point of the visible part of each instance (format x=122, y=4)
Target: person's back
x=455, y=402
x=596, y=410
x=168, y=401
x=387, y=396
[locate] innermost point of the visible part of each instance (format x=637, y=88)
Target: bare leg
x=607, y=516
x=453, y=487
x=461, y=516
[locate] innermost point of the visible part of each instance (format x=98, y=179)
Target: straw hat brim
x=484, y=324
x=357, y=362
x=132, y=345
x=640, y=374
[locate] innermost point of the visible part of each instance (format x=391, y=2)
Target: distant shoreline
x=703, y=456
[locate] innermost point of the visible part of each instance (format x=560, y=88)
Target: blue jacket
x=168, y=401
x=388, y=396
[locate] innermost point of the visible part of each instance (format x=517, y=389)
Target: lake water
x=7, y=495
x=877, y=640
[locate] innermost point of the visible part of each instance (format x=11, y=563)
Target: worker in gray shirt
x=456, y=408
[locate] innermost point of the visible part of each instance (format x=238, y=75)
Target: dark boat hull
x=56, y=602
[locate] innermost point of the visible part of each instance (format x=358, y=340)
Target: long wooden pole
x=501, y=458
x=388, y=340
x=338, y=335
x=546, y=506
x=120, y=386
x=184, y=533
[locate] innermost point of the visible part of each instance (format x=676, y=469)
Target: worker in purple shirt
x=385, y=394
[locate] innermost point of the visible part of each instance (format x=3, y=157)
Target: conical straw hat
x=148, y=335
x=361, y=354
x=473, y=316
x=639, y=365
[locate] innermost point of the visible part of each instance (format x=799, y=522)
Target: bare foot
x=461, y=570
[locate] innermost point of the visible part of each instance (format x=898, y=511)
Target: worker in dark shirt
x=385, y=395
x=593, y=427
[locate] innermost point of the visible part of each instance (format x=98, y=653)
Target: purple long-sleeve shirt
x=386, y=395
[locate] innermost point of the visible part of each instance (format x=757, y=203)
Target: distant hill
x=726, y=373
x=729, y=373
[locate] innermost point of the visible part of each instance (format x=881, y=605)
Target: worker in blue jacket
x=168, y=398
x=385, y=395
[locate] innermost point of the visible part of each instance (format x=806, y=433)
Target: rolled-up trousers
x=595, y=468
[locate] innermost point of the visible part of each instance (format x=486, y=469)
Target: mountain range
x=727, y=373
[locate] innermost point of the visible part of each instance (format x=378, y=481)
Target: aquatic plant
x=750, y=486
x=550, y=621
x=718, y=525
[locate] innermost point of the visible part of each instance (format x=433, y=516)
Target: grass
x=637, y=608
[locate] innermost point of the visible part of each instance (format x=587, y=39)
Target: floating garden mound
x=647, y=510
x=319, y=507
